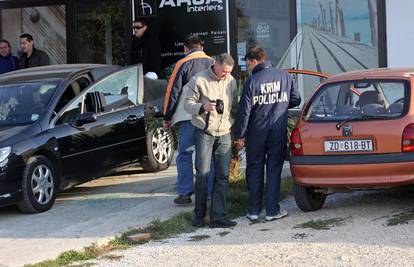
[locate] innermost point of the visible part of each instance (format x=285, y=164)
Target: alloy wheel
x=42, y=184
x=162, y=146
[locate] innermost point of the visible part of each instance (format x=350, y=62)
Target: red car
x=355, y=132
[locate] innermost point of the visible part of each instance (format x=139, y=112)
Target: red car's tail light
x=407, y=144
x=296, y=147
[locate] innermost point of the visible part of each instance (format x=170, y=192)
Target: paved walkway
x=92, y=212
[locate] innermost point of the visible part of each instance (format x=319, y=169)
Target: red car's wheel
x=307, y=199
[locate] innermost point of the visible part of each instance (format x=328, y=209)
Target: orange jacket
x=177, y=81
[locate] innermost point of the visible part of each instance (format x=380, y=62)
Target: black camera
x=219, y=106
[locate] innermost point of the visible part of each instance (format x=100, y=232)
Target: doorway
x=45, y=22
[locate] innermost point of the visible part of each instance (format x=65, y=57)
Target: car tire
x=39, y=185
x=160, y=150
x=307, y=199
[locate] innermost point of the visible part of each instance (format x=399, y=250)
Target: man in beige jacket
x=212, y=102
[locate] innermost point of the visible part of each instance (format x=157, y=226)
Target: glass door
x=102, y=31
x=265, y=23
x=47, y=25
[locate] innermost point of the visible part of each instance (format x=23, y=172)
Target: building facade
x=329, y=36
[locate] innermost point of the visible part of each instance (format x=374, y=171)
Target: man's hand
x=240, y=143
x=166, y=125
x=209, y=106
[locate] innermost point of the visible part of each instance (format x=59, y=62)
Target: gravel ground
x=361, y=239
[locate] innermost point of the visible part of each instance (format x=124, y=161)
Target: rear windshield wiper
x=360, y=116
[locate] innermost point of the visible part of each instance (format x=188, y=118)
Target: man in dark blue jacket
x=262, y=123
x=194, y=61
x=8, y=62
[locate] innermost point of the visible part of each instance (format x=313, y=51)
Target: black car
x=63, y=125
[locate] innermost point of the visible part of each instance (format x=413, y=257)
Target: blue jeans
x=218, y=149
x=184, y=161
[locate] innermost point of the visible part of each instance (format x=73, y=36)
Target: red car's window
x=360, y=99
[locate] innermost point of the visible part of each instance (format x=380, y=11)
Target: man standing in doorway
x=8, y=62
x=212, y=102
x=194, y=61
x=262, y=121
x=145, y=47
x=31, y=57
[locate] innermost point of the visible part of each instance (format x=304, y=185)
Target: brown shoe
x=182, y=200
x=223, y=223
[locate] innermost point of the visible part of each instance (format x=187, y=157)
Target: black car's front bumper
x=10, y=183
x=10, y=198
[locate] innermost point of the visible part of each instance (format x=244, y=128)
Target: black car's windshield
x=25, y=103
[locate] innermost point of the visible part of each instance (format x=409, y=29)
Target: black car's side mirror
x=85, y=118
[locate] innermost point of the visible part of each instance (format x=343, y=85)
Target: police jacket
x=267, y=95
x=174, y=104
x=36, y=59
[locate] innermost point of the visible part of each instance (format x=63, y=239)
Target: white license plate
x=348, y=145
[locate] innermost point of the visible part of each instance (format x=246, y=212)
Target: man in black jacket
x=145, y=48
x=31, y=57
x=262, y=121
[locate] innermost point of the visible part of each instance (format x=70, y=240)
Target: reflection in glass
x=263, y=23
x=101, y=32
x=71, y=113
x=333, y=36
x=25, y=103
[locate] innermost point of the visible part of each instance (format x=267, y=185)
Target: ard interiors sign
x=177, y=18
x=195, y=5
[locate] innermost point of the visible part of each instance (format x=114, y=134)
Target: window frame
x=139, y=95
x=320, y=89
x=83, y=75
x=381, y=20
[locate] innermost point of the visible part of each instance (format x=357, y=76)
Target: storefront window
x=264, y=23
x=46, y=24
x=333, y=36
x=101, y=31
x=176, y=19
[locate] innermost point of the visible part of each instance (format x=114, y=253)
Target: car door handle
x=132, y=119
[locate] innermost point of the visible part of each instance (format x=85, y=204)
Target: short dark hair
x=6, y=42
x=142, y=21
x=193, y=42
x=27, y=36
x=256, y=53
x=226, y=59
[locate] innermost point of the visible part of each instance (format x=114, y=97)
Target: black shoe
x=198, y=222
x=183, y=200
x=223, y=223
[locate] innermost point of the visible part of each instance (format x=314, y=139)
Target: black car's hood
x=10, y=135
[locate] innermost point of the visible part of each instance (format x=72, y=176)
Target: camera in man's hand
x=219, y=106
